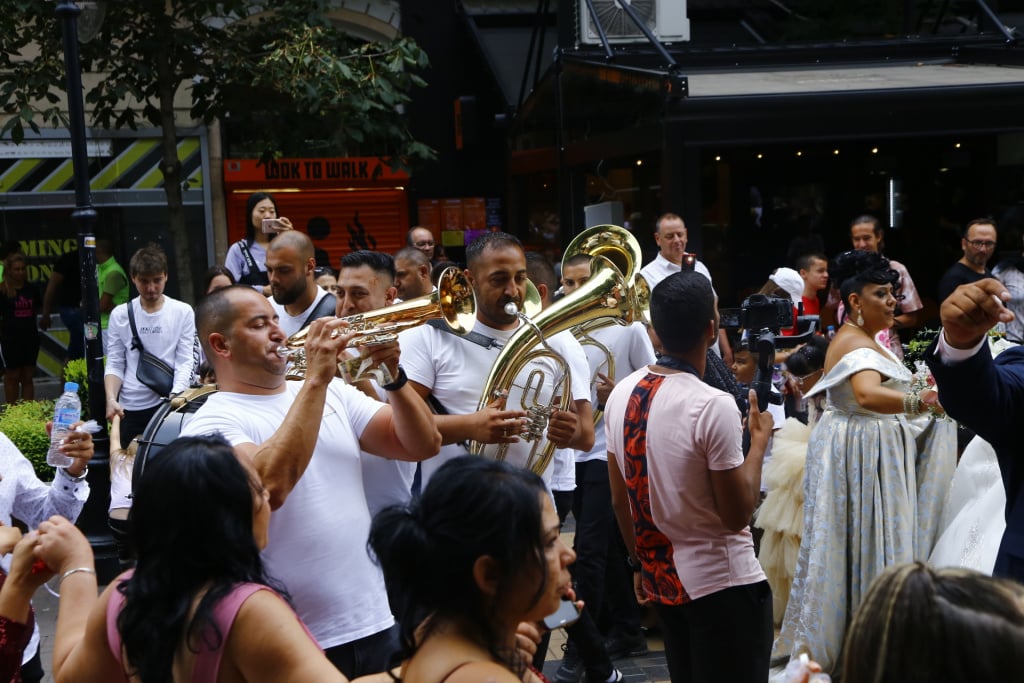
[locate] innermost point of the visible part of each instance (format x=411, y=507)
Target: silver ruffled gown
x=874, y=490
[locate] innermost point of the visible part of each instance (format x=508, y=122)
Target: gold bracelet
x=87, y=570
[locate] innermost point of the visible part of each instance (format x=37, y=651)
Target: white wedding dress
x=974, y=514
x=973, y=518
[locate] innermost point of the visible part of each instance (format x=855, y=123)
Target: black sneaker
x=616, y=677
x=620, y=646
x=571, y=668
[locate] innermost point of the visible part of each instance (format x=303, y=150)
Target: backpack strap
x=250, y=262
x=253, y=274
x=325, y=307
x=475, y=337
x=136, y=342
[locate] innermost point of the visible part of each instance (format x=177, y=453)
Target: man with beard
x=978, y=243
x=449, y=371
x=296, y=297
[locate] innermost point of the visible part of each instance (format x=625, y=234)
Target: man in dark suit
x=986, y=395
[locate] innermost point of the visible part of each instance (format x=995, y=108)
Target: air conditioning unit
x=666, y=19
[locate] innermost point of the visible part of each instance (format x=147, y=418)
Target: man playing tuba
x=449, y=371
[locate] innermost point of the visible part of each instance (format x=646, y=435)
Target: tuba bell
x=619, y=246
x=453, y=302
x=604, y=295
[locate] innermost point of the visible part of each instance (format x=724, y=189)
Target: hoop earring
x=860, y=319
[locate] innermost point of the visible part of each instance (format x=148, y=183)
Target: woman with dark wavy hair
x=878, y=465
x=488, y=555
x=198, y=607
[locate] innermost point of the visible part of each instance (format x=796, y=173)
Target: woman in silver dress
x=878, y=465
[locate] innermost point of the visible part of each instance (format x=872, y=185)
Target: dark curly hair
x=852, y=270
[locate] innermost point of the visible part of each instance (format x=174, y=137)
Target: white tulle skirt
x=781, y=515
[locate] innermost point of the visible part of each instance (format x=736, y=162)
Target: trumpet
x=453, y=302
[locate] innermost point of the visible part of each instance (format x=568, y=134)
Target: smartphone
x=566, y=615
x=273, y=225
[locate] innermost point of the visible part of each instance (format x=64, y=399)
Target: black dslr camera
x=764, y=317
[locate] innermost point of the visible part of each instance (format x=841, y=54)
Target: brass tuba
x=453, y=302
x=606, y=294
x=619, y=246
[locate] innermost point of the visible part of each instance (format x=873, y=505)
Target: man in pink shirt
x=683, y=495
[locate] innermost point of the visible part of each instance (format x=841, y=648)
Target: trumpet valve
x=536, y=422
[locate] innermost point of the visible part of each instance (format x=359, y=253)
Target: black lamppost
x=93, y=520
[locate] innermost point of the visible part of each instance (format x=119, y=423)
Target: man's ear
x=711, y=331
x=543, y=290
x=469, y=276
x=389, y=296
x=487, y=575
x=219, y=344
x=424, y=271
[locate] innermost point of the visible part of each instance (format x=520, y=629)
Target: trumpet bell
x=453, y=302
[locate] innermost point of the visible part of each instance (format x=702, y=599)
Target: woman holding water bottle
x=22, y=495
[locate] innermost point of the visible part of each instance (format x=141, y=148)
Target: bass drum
x=166, y=424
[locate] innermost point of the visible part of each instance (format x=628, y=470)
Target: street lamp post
x=93, y=520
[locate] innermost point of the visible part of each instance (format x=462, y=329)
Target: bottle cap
x=70, y=386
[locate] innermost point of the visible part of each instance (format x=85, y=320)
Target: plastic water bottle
x=66, y=412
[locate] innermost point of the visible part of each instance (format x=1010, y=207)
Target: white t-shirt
x=631, y=348
x=169, y=334
x=386, y=482
x=456, y=370
x=563, y=470
x=317, y=544
x=290, y=324
x=693, y=429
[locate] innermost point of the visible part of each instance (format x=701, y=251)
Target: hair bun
x=852, y=263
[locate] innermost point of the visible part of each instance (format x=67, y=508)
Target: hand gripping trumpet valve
x=453, y=302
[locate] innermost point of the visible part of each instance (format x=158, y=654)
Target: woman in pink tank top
x=199, y=520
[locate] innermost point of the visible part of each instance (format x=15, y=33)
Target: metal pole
x=93, y=519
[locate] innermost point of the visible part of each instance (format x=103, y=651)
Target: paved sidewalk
x=650, y=668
